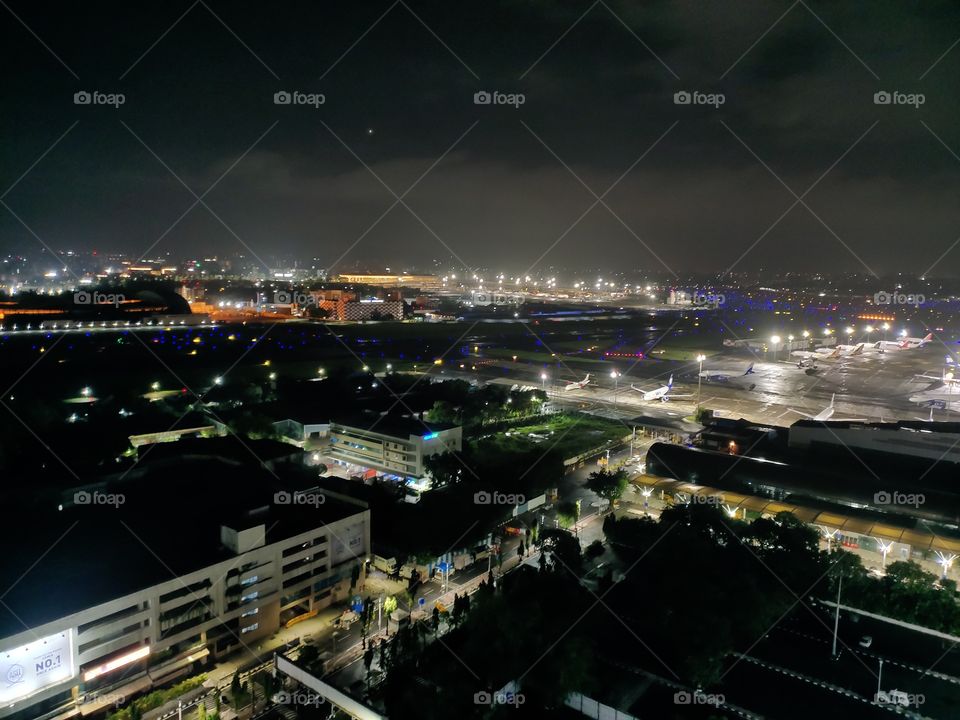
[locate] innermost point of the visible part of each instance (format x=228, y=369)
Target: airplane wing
x=800, y=412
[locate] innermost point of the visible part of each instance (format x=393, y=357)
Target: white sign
x=30, y=668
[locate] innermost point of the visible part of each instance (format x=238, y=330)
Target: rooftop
x=395, y=425
x=143, y=531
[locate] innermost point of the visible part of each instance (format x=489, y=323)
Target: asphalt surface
x=873, y=387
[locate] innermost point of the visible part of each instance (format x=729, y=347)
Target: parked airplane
x=808, y=364
x=827, y=413
x=942, y=396
x=661, y=393
x=725, y=374
x=827, y=353
x=849, y=350
x=578, y=385
x=907, y=343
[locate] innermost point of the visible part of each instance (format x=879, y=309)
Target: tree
x=442, y=411
x=389, y=605
x=265, y=680
x=594, y=549
x=607, y=484
x=445, y=469
x=235, y=682
x=564, y=551
x=368, y=661
x=436, y=619
x=568, y=513
x=354, y=576
x=521, y=549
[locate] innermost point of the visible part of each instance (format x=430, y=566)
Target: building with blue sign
x=392, y=444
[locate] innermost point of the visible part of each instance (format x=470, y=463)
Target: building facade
x=266, y=580
x=396, y=446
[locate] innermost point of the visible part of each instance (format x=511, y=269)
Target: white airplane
x=724, y=374
x=942, y=396
x=907, y=343
x=578, y=385
x=827, y=413
x=849, y=350
x=810, y=363
x=826, y=353
x=661, y=393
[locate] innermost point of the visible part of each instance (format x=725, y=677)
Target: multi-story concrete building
x=392, y=444
x=140, y=588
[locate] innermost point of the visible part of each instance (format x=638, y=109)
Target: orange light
x=119, y=662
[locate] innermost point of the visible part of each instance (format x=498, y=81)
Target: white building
x=111, y=611
x=391, y=444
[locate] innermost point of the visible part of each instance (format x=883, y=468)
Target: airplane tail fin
x=832, y=397
x=749, y=370
x=927, y=339
x=587, y=378
x=670, y=382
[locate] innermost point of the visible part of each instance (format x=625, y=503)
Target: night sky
x=695, y=188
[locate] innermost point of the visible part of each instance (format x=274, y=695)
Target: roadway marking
x=906, y=666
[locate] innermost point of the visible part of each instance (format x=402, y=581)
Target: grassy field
x=567, y=434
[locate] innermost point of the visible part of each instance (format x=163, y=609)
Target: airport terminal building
x=178, y=592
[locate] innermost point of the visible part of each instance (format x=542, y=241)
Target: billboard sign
x=30, y=668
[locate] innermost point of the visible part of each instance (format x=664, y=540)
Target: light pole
x=616, y=384
x=879, y=675
x=543, y=382
x=836, y=620
x=884, y=548
x=700, y=358
x=774, y=341
x=945, y=561
x=829, y=534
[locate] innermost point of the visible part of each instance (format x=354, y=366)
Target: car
x=866, y=641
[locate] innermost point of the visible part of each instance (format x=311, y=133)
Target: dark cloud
x=402, y=95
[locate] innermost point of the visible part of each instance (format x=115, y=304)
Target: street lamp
x=700, y=358
x=616, y=383
x=543, y=381
x=774, y=341
x=945, y=561
x=884, y=548
x=829, y=535
x=389, y=367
